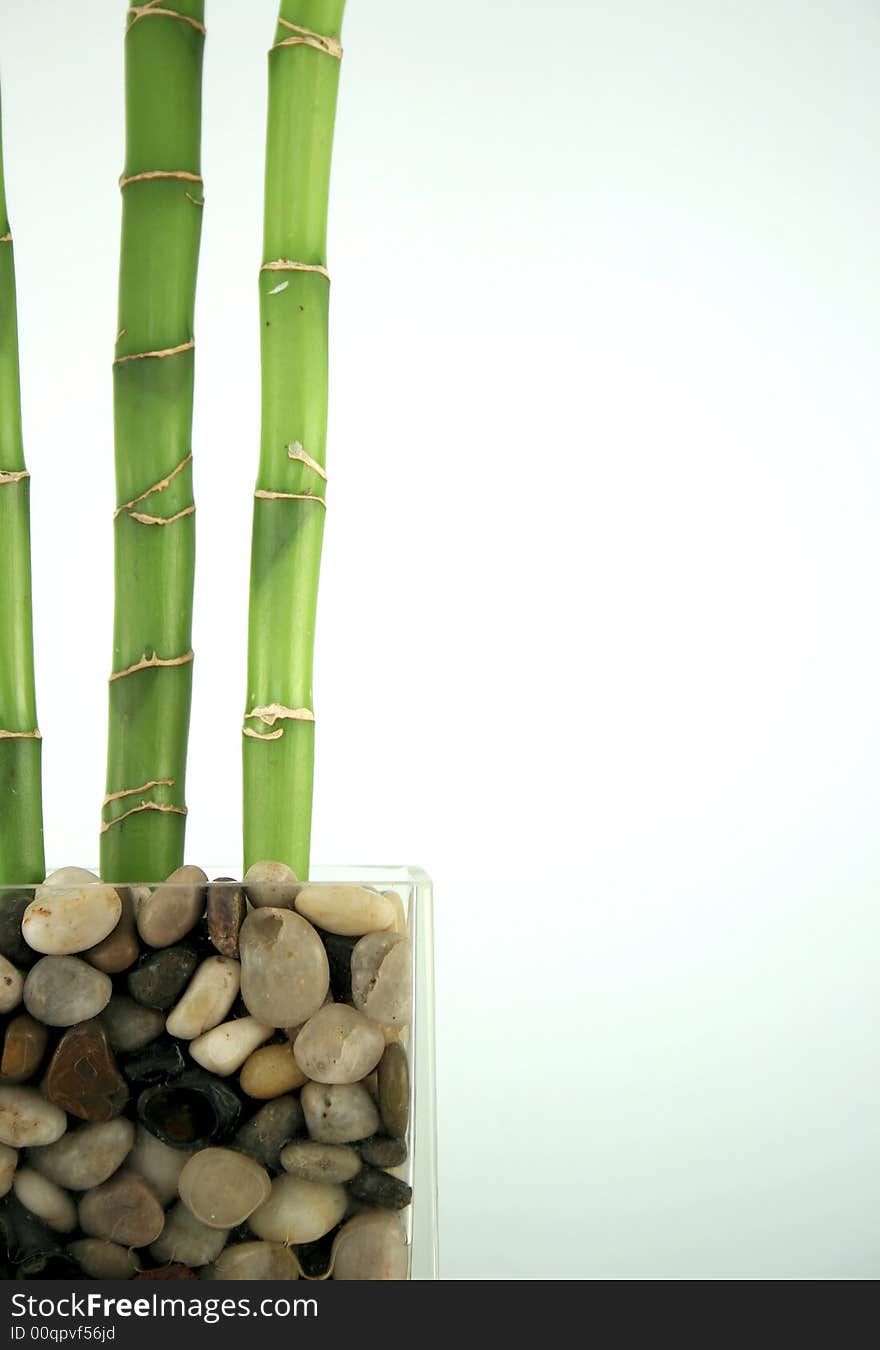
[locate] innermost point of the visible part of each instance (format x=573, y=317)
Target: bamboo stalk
x=21, y=809
x=289, y=506
x=142, y=832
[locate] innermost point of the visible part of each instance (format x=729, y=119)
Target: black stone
x=382, y=1151
x=159, y=1062
x=194, y=1111
x=159, y=978
x=26, y=1239
x=314, y=1257
x=380, y=1188
x=339, y=950
x=12, y=945
x=269, y=1129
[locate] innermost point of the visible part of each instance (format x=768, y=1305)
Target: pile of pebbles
x=203, y=1079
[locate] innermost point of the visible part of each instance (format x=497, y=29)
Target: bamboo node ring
x=289, y=265
x=156, y=175
x=20, y=735
x=162, y=484
x=152, y=11
x=157, y=356
x=154, y=662
x=144, y=806
x=13, y=476
x=306, y=37
x=133, y=792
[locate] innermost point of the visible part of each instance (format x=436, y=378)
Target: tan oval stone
x=43, y=1198
x=271, y=883
x=271, y=1072
x=187, y=1240
x=8, y=1164
x=371, y=1246
x=104, y=1260
x=123, y=1210
x=338, y=1045
x=208, y=997
x=27, y=1119
x=71, y=876
x=225, y=1048
x=86, y=1157
x=284, y=970
x=256, y=1261
x=160, y=1164
x=222, y=1188
x=299, y=1211
x=174, y=908
x=339, y=1113
x=64, y=920
x=311, y=1161
x=381, y=978
x=345, y=909
x=11, y=986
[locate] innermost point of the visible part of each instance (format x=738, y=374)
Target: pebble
x=299, y=1211
x=192, y=1112
x=12, y=944
x=381, y=978
x=32, y=1243
x=85, y=1157
x=269, y=1129
x=186, y=1240
x=158, y=1163
x=394, y=1090
x=71, y=876
x=375, y=1187
x=27, y=1119
x=256, y=1261
x=121, y=948
x=8, y=1164
x=284, y=972
x=225, y=1048
x=271, y=883
x=24, y=1045
x=336, y=1163
x=160, y=1061
x=11, y=986
x=174, y=908
x=382, y=1151
x=339, y=1113
x=400, y=924
x=371, y=1246
x=43, y=1198
x=83, y=1077
x=338, y=1045
x=130, y=1026
x=104, y=1260
x=62, y=990
x=63, y=920
x=159, y=979
x=222, y=1188
x=123, y=1210
x=345, y=909
x=226, y=909
x=270, y=1072
x=209, y=995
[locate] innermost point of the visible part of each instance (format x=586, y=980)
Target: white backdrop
x=598, y=641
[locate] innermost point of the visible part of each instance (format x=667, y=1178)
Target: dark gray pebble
x=380, y=1188
x=159, y=979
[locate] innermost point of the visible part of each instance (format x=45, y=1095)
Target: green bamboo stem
x=144, y=814
x=21, y=809
x=289, y=507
